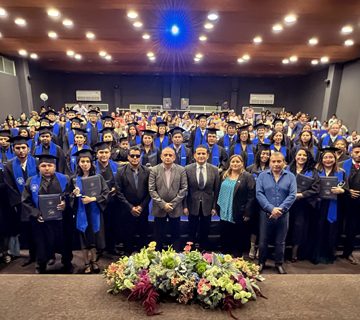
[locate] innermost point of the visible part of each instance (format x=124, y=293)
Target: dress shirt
x=271, y=194
x=203, y=172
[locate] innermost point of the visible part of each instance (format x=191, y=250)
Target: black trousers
x=160, y=230
x=352, y=226
x=199, y=226
x=111, y=223
x=234, y=237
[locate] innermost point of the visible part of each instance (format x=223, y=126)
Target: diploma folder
x=48, y=206
x=303, y=182
x=326, y=183
x=91, y=186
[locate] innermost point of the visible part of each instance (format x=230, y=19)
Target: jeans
x=276, y=228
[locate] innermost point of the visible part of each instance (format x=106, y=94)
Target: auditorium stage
x=84, y=297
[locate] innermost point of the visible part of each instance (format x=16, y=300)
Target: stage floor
x=84, y=297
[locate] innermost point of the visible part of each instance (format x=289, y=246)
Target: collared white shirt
x=23, y=165
x=168, y=175
x=204, y=172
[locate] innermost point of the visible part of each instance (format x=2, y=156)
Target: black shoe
x=67, y=268
x=51, y=262
x=27, y=262
x=40, y=269
x=280, y=269
x=261, y=267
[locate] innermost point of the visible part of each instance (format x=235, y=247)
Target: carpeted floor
x=79, y=297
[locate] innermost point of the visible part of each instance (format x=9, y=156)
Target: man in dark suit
x=217, y=155
x=203, y=189
x=132, y=189
x=167, y=187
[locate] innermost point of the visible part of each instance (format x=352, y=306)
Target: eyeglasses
x=133, y=156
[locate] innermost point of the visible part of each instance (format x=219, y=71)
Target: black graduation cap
x=94, y=111
x=132, y=124
x=80, y=131
x=48, y=158
x=101, y=146
x=263, y=146
x=107, y=130
x=176, y=130
x=19, y=140
x=45, y=120
x=232, y=124
x=261, y=125
x=329, y=149
x=276, y=120
x=244, y=127
x=161, y=123
x=70, y=110
x=5, y=133
x=212, y=130
x=148, y=132
x=23, y=128
x=107, y=118
x=122, y=138
x=45, y=130
x=76, y=120
x=51, y=111
x=201, y=116
x=84, y=153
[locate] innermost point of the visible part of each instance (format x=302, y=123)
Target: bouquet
x=212, y=280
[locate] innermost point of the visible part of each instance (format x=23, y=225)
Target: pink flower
x=187, y=248
x=242, y=281
x=207, y=257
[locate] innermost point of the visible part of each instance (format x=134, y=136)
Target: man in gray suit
x=203, y=190
x=167, y=188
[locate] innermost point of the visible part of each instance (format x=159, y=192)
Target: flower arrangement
x=212, y=280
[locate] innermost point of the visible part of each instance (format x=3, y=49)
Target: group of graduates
x=156, y=174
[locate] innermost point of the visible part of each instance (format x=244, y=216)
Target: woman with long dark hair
x=235, y=201
x=162, y=139
x=327, y=213
x=244, y=146
x=89, y=210
x=277, y=140
x=306, y=140
x=133, y=135
x=150, y=155
x=308, y=185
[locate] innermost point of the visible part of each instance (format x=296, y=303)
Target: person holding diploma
x=89, y=209
x=47, y=220
x=308, y=186
x=327, y=213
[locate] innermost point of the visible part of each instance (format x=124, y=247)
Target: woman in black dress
x=308, y=185
x=89, y=211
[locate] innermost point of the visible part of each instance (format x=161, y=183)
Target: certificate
x=91, y=186
x=48, y=206
x=303, y=182
x=326, y=183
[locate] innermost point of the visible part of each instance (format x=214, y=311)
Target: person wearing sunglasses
x=132, y=189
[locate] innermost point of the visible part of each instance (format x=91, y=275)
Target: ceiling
x=232, y=36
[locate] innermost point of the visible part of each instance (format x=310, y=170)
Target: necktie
x=201, y=179
x=357, y=166
x=136, y=178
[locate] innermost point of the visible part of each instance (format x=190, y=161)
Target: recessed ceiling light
x=290, y=19
x=347, y=29
x=203, y=38
x=152, y=58
x=257, y=40
x=277, y=27
x=108, y=57
x=34, y=56
x=293, y=58
x=313, y=41
x=68, y=23
x=137, y=24
x=23, y=52
x=285, y=61
x=102, y=53
x=52, y=35
x=132, y=14
x=146, y=36
x=240, y=60
x=324, y=59
x=208, y=26
x=213, y=16
x=20, y=22
x=197, y=59
x=70, y=53
x=199, y=55
x=246, y=57
x=314, y=62
x=3, y=13
x=150, y=54
x=53, y=13
x=78, y=56
x=90, y=35
x=349, y=42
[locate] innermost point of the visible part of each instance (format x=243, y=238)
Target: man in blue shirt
x=275, y=192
